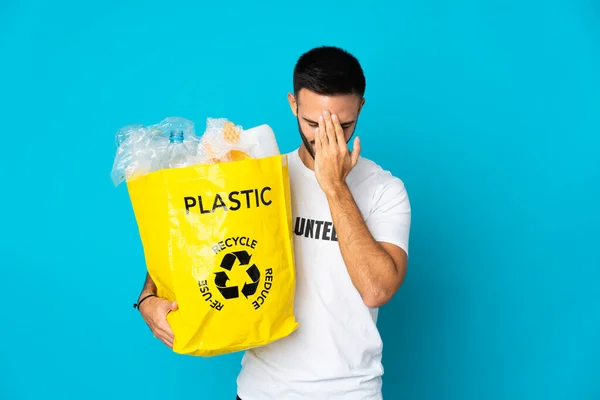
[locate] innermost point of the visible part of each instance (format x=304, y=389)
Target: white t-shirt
x=336, y=351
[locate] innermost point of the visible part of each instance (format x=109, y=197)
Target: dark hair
x=329, y=71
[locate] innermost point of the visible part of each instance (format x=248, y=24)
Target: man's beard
x=309, y=146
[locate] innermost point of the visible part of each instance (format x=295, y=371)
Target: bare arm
x=376, y=269
x=149, y=287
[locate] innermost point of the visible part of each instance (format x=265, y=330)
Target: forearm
x=149, y=286
x=371, y=269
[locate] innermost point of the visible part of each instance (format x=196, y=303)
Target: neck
x=306, y=158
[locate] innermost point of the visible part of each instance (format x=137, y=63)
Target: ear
x=293, y=104
x=362, y=103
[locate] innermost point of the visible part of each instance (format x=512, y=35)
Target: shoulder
x=370, y=176
x=292, y=156
x=378, y=189
x=291, y=153
x=387, y=209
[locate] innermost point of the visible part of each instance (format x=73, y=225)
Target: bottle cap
x=176, y=136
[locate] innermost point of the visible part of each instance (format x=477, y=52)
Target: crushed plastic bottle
x=172, y=143
x=176, y=155
x=140, y=148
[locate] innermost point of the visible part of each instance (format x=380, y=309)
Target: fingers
x=355, y=152
x=168, y=342
x=318, y=143
x=165, y=333
x=155, y=314
x=339, y=132
x=330, y=130
x=323, y=132
x=161, y=329
x=166, y=339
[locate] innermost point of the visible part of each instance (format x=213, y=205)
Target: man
x=351, y=224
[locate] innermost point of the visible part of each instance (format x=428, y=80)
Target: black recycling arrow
x=253, y=273
x=229, y=292
x=250, y=288
x=227, y=263
x=243, y=257
x=221, y=279
x=229, y=259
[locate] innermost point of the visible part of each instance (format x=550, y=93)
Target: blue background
x=488, y=110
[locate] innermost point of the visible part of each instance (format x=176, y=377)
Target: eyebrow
x=310, y=121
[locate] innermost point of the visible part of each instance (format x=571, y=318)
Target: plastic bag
x=139, y=147
x=217, y=236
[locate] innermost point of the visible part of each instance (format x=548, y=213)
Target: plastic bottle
x=176, y=155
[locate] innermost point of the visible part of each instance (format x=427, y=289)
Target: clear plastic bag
x=140, y=149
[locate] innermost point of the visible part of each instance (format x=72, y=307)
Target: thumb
x=169, y=306
x=355, y=151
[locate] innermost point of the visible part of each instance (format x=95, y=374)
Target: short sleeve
x=390, y=215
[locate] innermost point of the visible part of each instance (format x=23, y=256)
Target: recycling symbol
x=228, y=262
